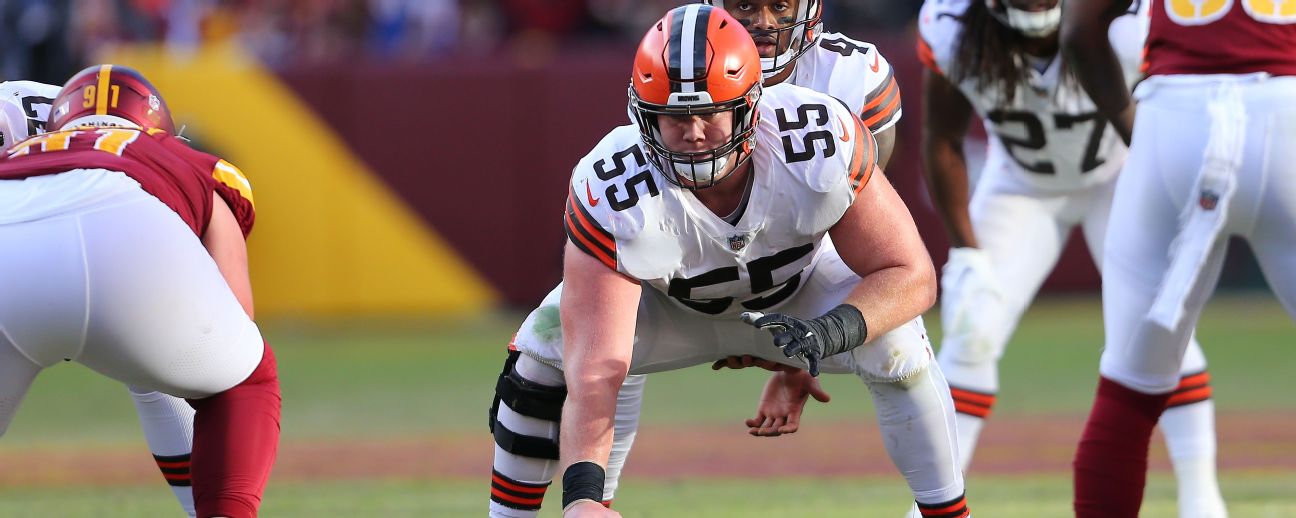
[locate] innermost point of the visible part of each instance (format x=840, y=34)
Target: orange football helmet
x=110, y=95
x=694, y=61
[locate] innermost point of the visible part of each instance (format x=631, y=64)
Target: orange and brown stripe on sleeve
x=864, y=158
x=511, y=493
x=956, y=508
x=882, y=103
x=586, y=233
x=175, y=469
x=1193, y=388
x=973, y=403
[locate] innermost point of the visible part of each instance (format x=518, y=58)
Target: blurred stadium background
x=409, y=160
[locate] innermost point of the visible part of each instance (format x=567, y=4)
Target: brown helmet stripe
x=686, y=61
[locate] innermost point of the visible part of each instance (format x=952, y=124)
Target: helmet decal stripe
x=101, y=90
x=700, y=24
x=687, y=48
x=673, y=50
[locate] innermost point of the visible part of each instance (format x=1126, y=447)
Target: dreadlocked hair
x=994, y=55
x=990, y=53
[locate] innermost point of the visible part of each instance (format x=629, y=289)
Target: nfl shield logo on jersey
x=738, y=242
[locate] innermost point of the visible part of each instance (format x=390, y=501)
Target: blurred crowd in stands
x=50, y=39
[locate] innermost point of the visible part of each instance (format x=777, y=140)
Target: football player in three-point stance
x=795, y=49
x=685, y=226
x=134, y=264
x=1051, y=166
x=1210, y=157
x=167, y=420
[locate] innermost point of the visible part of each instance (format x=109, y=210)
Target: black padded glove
x=838, y=330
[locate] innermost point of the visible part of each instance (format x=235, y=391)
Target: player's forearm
x=1088, y=50
x=890, y=297
x=947, y=182
x=588, y=414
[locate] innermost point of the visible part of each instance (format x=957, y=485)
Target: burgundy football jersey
x=1238, y=37
x=181, y=177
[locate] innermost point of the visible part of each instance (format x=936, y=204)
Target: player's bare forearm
x=1087, y=48
x=598, y=310
x=947, y=182
x=588, y=415
x=946, y=114
x=877, y=238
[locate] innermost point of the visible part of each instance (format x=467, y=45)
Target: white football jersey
x=24, y=108
x=854, y=72
x=811, y=159
x=1050, y=135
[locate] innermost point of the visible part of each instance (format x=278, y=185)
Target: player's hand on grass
x=781, y=403
x=589, y=509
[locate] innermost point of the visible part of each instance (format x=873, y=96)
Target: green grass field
x=429, y=383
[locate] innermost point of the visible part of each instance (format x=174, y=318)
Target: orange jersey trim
x=861, y=169
x=882, y=107
x=927, y=57
x=587, y=235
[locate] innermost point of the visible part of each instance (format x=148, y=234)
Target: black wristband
x=845, y=329
x=583, y=481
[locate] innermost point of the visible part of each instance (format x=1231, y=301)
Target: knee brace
x=530, y=399
x=894, y=357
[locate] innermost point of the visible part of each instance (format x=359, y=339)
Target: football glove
x=812, y=340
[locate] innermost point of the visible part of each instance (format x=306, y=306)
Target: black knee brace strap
x=529, y=399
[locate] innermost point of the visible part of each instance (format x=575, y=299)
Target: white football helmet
x=801, y=34
x=1032, y=24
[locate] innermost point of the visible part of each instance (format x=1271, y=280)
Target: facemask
x=1034, y=24
x=702, y=173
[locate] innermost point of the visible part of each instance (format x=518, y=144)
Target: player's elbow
x=924, y=284
x=597, y=376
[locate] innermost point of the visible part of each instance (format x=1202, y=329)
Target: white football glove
x=971, y=303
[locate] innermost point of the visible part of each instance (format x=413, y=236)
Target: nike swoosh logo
x=874, y=66
x=845, y=137
x=589, y=195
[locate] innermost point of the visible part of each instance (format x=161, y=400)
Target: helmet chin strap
x=1034, y=24
x=701, y=173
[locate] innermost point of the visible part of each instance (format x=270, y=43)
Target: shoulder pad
x=939, y=25
x=24, y=107
x=18, y=89
x=604, y=198
x=861, y=77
